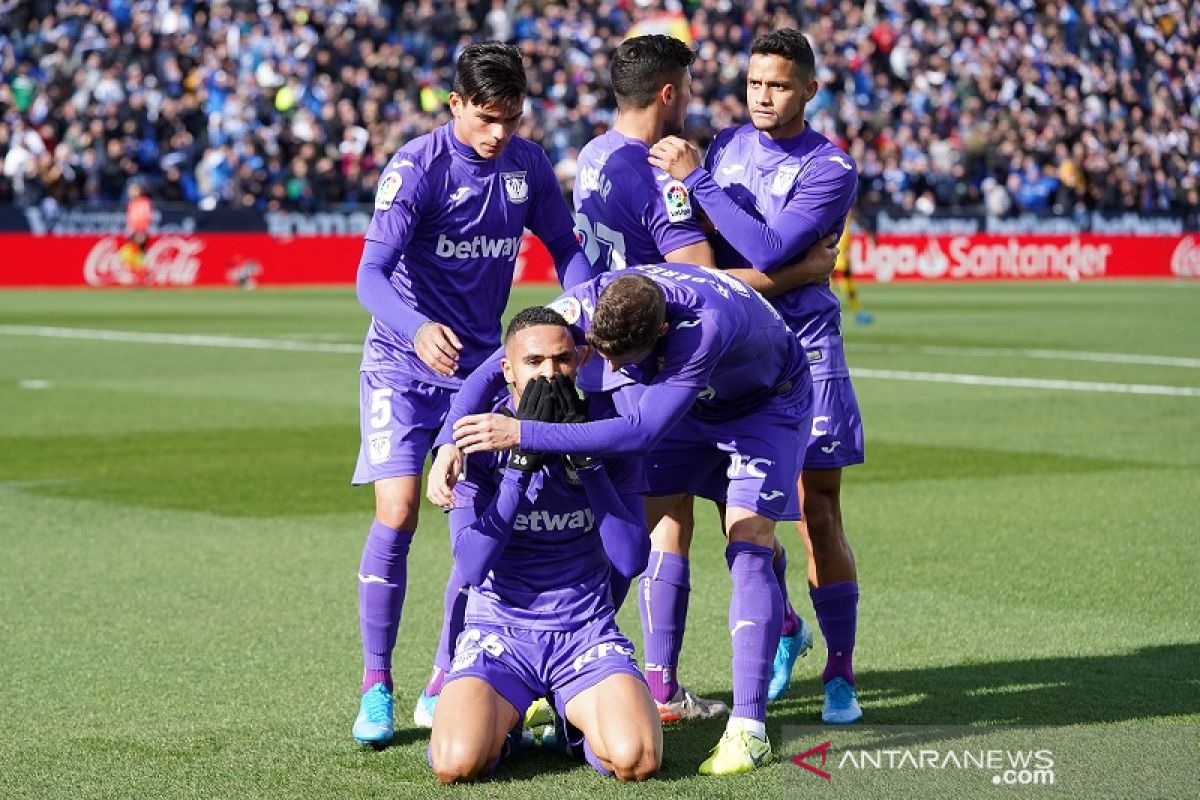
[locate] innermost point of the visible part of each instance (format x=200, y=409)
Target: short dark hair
x=532, y=317
x=643, y=64
x=787, y=43
x=629, y=316
x=490, y=71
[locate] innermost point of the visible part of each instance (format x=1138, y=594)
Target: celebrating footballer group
x=695, y=352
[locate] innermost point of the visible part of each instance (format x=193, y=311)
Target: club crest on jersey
x=379, y=447
x=515, y=187
x=679, y=205
x=568, y=308
x=389, y=186
x=783, y=180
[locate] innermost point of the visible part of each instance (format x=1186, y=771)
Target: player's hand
x=537, y=403
x=438, y=347
x=443, y=475
x=676, y=157
x=487, y=433
x=571, y=408
x=816, y=265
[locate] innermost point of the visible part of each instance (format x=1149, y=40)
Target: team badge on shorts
x=379, y=446
x=515, y=187
x=568, y=308
x=679, y=205
x=388, y=188
x=783, y=180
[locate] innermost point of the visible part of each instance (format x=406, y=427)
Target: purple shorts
x=399, y=416
x=837, y=432
x=752, y=462
x=523, y=665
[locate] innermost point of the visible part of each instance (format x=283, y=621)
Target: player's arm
x=798, y=227
x=660, y=407
x=480, y=530
x=550, y=220
x=621, y=521
x=815, y=267
x=698, y=253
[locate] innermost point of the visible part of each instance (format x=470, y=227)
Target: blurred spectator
x=1054, y=106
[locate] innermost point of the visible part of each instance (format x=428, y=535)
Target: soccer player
x=435, y=274
x=724, y=414
x=628, y=212
x=772, y=188
x=536, y=536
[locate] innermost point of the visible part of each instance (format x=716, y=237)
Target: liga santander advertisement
x=222, y=259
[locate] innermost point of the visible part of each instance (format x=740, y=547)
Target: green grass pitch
x=178, y=540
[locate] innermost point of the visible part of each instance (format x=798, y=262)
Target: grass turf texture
x=177, y=593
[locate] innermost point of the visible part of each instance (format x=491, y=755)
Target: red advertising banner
x=206, y=259
x=216, y=259
x=1024, y=257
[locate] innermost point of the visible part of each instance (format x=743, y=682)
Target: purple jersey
x=723, y=339
x=457, y=220
x=553, y=573
x=627, y=212
x=804, y=186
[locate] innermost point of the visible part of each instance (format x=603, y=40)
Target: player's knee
x=454, y=761
x=633, y=761
x=396, y=512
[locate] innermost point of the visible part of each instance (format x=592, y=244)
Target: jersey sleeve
x=399, y=200
x=667, y=211
x=551, y=221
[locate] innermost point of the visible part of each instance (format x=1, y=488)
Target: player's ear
x=667, y=94
x=456, y=104
x=507, y=369
x=584, y=354
x=810, y=91
x=663, y=330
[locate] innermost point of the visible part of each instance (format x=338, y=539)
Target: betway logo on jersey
x=478, y=247
x=537, y=521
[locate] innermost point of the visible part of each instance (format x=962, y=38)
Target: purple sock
x=791, y=620
x=837, y=614
x=591, y=758
x=382, y=576
x=663, y=601
x=755, y=616
x=454, y=606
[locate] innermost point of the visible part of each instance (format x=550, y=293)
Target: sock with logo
x=382, y=577
x=836, y=606
x=663, y=600
x=755, y=617
x=454, y=606
x=791, y=620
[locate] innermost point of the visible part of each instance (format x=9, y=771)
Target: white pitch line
x=195, y=340
x=247, y=343
x=1026, y=383
x=1049, y=355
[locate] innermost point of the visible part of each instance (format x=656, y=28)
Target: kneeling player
x=535, y=536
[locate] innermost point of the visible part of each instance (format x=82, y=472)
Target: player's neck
x=644, y=127
x=790, y=131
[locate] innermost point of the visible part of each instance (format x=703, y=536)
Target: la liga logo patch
x=677, y=202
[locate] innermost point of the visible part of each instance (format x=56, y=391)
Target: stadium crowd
x=1021, y=105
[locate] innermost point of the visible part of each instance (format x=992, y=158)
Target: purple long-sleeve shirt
x=537, y=547
x=725, y=353
x=770, y=201
x=443, y=243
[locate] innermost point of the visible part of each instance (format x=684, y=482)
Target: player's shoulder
x=830, y=156
x=733, y=134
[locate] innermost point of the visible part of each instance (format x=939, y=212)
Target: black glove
x=538, y=403
x=571, y=408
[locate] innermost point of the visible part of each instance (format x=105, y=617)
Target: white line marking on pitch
x=248, y=343
x=1026, y=383
x=1049, y=355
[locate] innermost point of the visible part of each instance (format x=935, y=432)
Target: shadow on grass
x=1152, y=684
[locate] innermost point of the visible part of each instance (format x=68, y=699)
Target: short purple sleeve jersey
x=627, y=212
x=804, y=184
x=723, y=339
x=553, y=573
x=457, y=220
